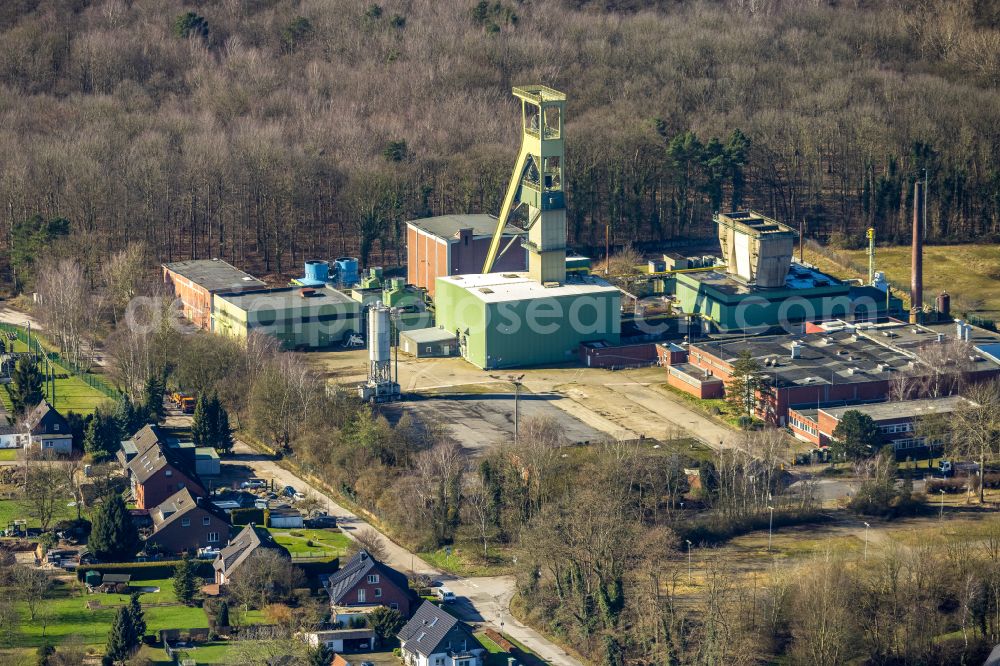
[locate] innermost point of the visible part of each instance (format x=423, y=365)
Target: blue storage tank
x=345, y=271
x=317, y=272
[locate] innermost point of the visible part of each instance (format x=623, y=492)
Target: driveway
x=485, y=599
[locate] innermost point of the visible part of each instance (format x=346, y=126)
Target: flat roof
x=834, y=358
x=287, y=298
x=905, y=409
x=214, y=274
x=448, y=226
x=428, y=335
x=504, y=287
x=799, y=276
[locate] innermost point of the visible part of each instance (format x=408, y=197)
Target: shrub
x=247, y=516
x=950, y=486
x=309, y=543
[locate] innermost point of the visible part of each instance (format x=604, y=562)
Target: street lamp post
x=941, y=514
x=866, y=541
x=689, y=561
x=770, y=527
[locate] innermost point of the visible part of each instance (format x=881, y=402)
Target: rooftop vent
x=550, y=285
x=306, y=292
x=486, y=290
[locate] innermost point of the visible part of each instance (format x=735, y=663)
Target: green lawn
x=72, y=393
x=970, y=273
x=204, y=655
x=326, y=543
x=11, y=509
x=8, y=455
x=466, y=559
x=66, y=614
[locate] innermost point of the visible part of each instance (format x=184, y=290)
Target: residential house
x=365, y=583
x=433, y=637
x=159, y=472
x=47, y=430
x=184, y=523
x=250, y=539
x=11, y=436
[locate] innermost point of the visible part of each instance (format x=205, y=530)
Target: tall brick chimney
x=917, y=273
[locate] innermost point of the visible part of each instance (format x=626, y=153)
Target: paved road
x=483, y=599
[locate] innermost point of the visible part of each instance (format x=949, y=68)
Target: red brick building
x=195, y=282
x=157, y=472
x=457, y=245
x=845, y=366
x=364, y=582
x=184, y=523
x=897, y=421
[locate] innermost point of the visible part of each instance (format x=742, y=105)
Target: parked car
x=288, y=491
x=445, y=595
x=298, y=496
x=254, y=483
x=207, y=553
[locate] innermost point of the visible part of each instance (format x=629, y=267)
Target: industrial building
x=516, y=319
x=510, y=320
x=760, y=289
x=195, y=283
x=898, y=422
x=457, y=244
x=844, y=364
x=428, y=343
x=407, y=302
x=298, y=317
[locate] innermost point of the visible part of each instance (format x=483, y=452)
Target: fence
x=70, y=367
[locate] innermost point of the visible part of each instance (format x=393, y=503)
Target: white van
x=445, y=595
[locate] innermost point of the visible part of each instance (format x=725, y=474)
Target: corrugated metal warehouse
x=297, y=317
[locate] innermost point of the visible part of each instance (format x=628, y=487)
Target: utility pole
x=866, y=541
x=770, y=528
x=689, y=561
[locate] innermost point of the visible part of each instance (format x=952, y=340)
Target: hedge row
x=146, y=570
x=246, y=516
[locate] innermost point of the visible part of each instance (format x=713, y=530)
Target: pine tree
x=138, y=616
x=152, y=399
x=223, y=620
x=114, y=537
x=184, y=581
x=856, y=436
x=222, y=438
x=26, y=385
x=122, y=640
x=201, y=424
x=127, y=416
x=103, y=436
x=744, y=383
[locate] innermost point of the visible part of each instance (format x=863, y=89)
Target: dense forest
x=266, y=131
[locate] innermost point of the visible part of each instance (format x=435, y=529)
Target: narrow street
x=482, y=600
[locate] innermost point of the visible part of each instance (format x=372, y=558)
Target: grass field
x=14, y=509
x=325, y=543
x=72, y=393
x=970, y=273
x=7, y=455
x=66, y=614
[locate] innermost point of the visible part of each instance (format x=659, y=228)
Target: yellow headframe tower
x=537, y=182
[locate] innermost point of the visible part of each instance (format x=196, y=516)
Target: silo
x=379, y=332
x=944, y=304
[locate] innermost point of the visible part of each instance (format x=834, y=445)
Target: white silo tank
x=379, y=334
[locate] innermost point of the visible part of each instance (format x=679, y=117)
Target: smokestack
x=917, y=279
